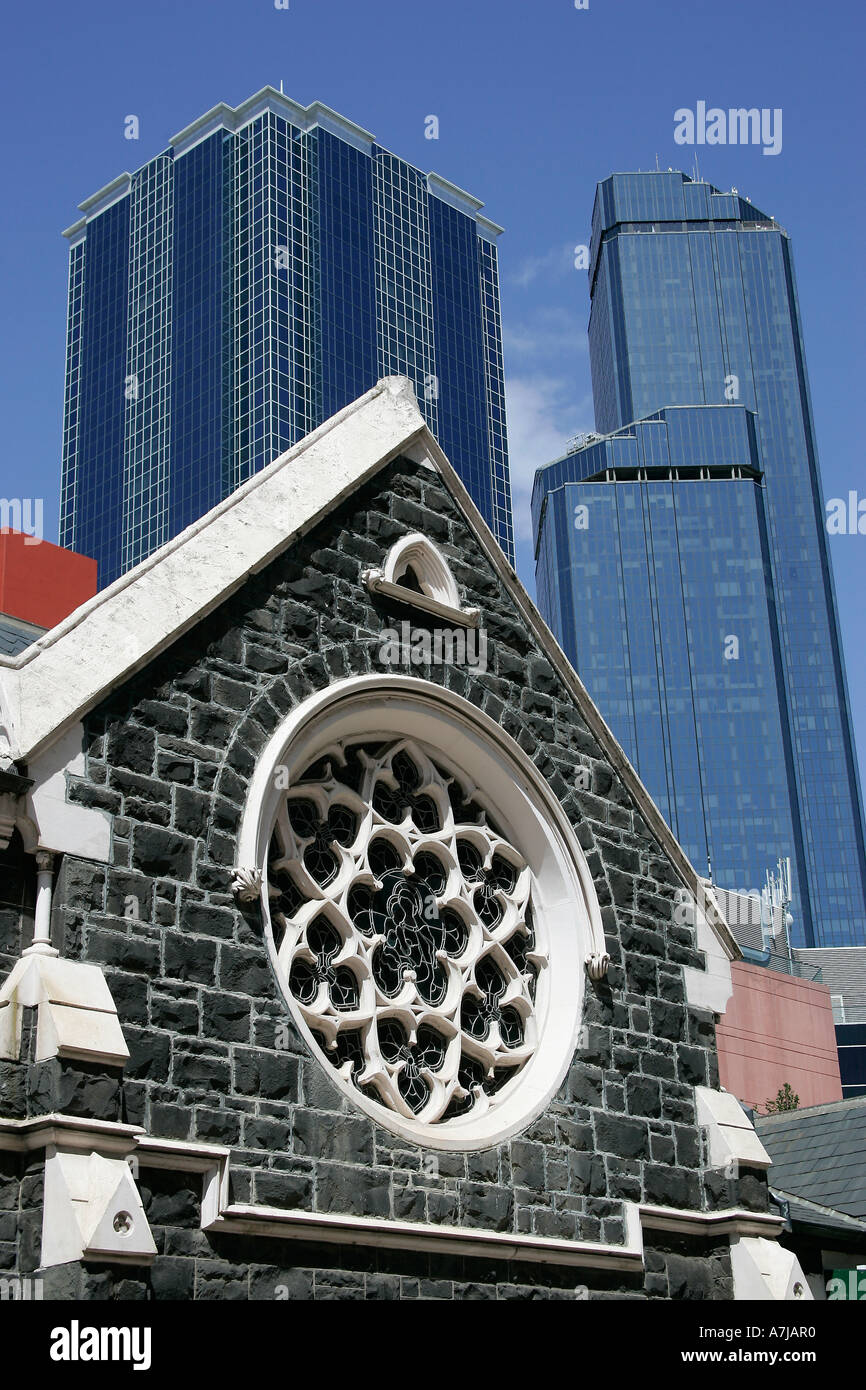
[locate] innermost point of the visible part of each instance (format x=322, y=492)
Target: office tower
x=257, y=276
x=704, y=547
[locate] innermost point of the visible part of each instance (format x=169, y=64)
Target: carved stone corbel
x=596, y=965
x=13, y=789
x=247, y=884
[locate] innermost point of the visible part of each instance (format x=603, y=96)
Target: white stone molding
x=473, y=751
x=439, y=594
x=71, y=1133
x=218, y=1215
x=343, y=1229
x=726, y=1221
x=76, y=1015
x=92, y=1211
x=731, y=1134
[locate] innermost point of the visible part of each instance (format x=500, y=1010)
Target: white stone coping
x=732, y=1135
x=726, y=1221
x=74, y=665
x=77, y=1018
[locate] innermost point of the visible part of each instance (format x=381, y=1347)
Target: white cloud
x=543, y=413
x=547, y=335
x=554, y=263
x=547, y=393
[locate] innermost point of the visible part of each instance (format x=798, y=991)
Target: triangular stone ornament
x=115, y=1225
x=763, y=1270
x=93, y=1211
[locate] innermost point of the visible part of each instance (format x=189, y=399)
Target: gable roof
x=820, y=1153
x=71, y=668
x=64, y=674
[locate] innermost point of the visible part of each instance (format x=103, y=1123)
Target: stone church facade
x=342, y=953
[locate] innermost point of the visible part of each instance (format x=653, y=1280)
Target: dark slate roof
x=805, y=1215
x=819, y=1153
x=15, y=635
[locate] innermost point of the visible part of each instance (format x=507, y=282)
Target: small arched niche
x=416, y=572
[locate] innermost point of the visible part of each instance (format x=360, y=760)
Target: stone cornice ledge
x=727, y=1221
x=68, y=1132
x=239, y=1218
x=218, y=1215
x=242, y=1219
x=339, y=1228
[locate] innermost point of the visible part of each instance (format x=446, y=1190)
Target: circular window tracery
x=404, y=929
x=492, y=791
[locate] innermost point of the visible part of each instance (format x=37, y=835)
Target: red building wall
x=42, y=583
x=777, y=1028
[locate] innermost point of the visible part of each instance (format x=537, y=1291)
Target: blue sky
x=536, y=102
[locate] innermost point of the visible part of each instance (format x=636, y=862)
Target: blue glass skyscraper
x=241, y=287
x=719, y=662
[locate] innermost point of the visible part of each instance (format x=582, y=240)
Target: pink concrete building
x=777, y=1028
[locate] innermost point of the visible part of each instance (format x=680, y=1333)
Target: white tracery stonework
x=403, y=924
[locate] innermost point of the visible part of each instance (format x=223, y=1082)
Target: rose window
x=404, y=931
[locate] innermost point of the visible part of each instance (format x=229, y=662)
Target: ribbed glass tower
x=244, y=285
x=694, y=593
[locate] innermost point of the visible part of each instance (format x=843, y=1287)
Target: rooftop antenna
x=657, y=165
x=282, y=93
x=778, y=893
